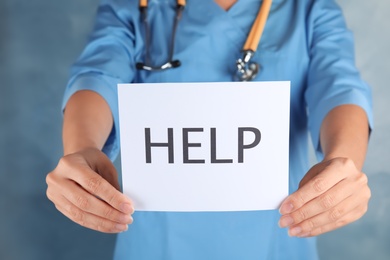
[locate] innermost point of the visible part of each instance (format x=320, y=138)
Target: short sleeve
x=333, y=78
x=106, y=61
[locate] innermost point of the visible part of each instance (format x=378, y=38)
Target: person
x=304, y=41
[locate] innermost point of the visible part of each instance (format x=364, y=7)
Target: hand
x=84, y=187
x=333, y=193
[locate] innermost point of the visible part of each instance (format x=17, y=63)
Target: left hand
x=332, y=194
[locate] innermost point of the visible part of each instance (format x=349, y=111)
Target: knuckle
x=76, y=215
x=64, y=162
x=310, y=224
x=101, y=226
x=94, y=184
x=324, y=229
x=315, y=232
x=342, y=223
x=58, y=208
x=108, y=213
x=48, y=179
x=343, y=164
x=365, y=209
x=298, y=200
x=319, y=185
x=346, y=162
x=82, y=202
x=51, y=179
x=48, y=194
x=327, y=201
x=349, y=163
x=368, y=193
x=112, y=199
x=362, y=210
x=335, y=214
x=363, y=179
x=319, y=231
x=98, y=228
x=301, y=215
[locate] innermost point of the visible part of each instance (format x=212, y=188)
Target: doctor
x=303, y=41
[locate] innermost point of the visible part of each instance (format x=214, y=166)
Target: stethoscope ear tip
x=170, y=64
x=175, y=63
x=139, y=65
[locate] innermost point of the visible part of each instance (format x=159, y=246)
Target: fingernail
x=286, y=208
x=121, y=227
x=285, y=221
x=125, y=219
x=126, y=208
x=295, y=231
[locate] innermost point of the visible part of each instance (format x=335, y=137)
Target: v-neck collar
x=235, y=23
x=238, y=4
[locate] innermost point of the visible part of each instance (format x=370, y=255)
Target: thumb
x=107, y=170
x=314, y=171
x=102, y=165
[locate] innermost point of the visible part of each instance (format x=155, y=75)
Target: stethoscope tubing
x=246, y=70
x=143, y=5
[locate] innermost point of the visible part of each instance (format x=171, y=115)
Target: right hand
x=84, y=187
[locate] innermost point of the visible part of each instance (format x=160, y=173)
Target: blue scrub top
x=304, y=41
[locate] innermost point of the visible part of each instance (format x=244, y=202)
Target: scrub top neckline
x=231, y=22
x=237, y=5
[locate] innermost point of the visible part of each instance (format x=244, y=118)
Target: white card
x=205, y=146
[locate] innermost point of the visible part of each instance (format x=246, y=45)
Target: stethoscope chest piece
x=246, y=70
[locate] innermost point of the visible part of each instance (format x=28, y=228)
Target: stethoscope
x=246, y=70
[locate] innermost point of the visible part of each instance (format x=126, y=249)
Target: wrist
x=331, y=156
x=80, y=146
x=345, y=159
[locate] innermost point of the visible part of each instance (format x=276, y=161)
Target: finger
x=333, y=215
x=89, y=220
x=313, y=188
x=343, y=221
x=89, y=203
x=324, y=202
x=98, y=186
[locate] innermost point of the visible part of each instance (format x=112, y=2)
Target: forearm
x=333, y=192
x=87, y=122
x=84, y=185
x=344, y=133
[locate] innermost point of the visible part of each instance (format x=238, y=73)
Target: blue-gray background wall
x=40, y=39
